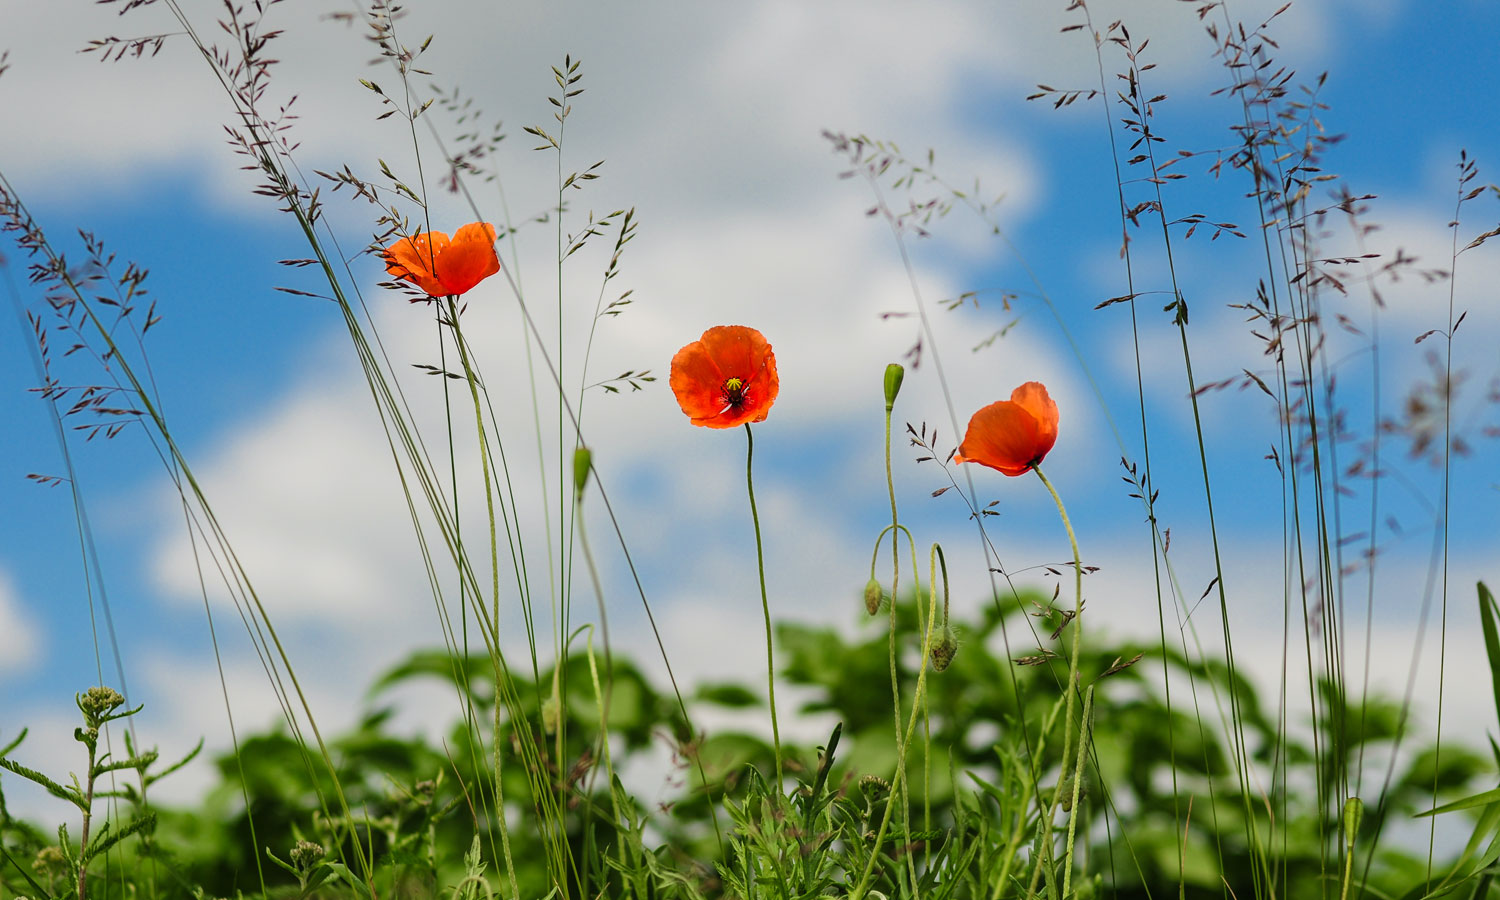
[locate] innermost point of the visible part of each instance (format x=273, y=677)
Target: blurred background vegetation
x=1158, y=772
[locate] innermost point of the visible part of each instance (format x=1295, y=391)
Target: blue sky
x=709, y=122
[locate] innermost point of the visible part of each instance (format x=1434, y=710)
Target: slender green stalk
x=1070, y=687
x=890, y=485
x=1013, y=847
x=1074, y=812
x=904, y=739
x=765, y=606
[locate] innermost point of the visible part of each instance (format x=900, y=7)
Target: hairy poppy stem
x=892, y=387
x=1069, y=687
x=765, y=605
x=903, y=739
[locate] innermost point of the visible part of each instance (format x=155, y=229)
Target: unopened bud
x=50, y=862
x=583, y=460
x=873, y=596
x=98, y=702
x=1066, y=801
x=945, y=649
x=874, y=787
x=893, y=375
x=551, y=712
x=306, y=854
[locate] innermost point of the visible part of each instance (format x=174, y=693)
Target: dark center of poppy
x=734, y=392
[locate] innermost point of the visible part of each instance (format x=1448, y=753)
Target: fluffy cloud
x=20, y=636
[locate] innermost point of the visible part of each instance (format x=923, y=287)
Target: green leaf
x=342, y=871
x=193, y=754
x=728, y=694
x=134, y=762
x=37, y=888
x=107, y=840
x=1489, y=614
x=9, y=748
x=1481, y=799
x=52, y=787
x=282, y=863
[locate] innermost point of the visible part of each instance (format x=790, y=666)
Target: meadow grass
x=1087, y=767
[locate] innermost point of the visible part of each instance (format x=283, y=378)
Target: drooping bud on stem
x=893, y=375
x=873, y=596
x=945, y=649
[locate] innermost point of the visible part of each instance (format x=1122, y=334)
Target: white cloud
x=20, y=635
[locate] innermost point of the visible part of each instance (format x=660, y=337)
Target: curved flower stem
x=1072, y=693
x=760, y=565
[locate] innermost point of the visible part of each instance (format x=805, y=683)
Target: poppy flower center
x=734, y=392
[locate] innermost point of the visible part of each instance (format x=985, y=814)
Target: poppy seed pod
x=873, y=595
x=894, y=373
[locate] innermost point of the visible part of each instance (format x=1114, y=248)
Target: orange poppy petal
x=411, y=259
x=766, y=385
x=1033, y=397
x=697, y=383
x=1003, y=436
x=468, y=259
x=738, y=349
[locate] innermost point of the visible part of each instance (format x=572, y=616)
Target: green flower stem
x=890, y=486
x=471, y=378
x=904, y=739
x=765, y=605
x=1074, y=813
x=1013, y=847
x=1077, y=626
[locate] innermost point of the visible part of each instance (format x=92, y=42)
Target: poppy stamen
x=735, y=390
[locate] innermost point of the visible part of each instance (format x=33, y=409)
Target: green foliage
x=1160, y=798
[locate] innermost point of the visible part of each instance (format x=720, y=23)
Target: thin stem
x=1077, y=626
x=88, y=815
x=1074, y=811
x=890, y=485
x=904, y=739
x=765, y=606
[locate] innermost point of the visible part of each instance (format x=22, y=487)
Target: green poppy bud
x=551, y=713
x=583, y=460
x=945, y=649
x=873, y=595
x=893, y=375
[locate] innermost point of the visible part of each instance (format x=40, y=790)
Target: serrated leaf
x=73, y=796
x=107, y=839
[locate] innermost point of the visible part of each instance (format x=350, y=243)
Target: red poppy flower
x=726, y=378
x=1012, y=435
x=444, y=267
